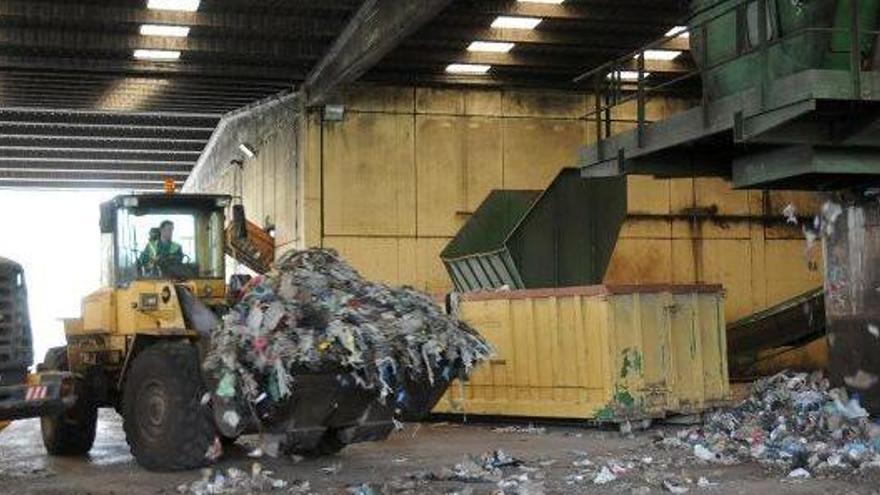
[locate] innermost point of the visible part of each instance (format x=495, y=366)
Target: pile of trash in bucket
x=315, y=313
x=794, y=420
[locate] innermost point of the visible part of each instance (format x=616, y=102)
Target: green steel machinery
x=789, y=99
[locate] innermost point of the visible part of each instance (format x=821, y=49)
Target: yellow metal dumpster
x=604, y=353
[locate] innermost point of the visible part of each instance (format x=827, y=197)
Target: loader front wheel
x=165, y=424
x=70, y=432
x=328, y=445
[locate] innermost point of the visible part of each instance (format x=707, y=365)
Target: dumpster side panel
x=699, y=355
x=595, y=353
x=551, y=358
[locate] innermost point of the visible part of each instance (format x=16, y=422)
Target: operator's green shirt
x=158, y=250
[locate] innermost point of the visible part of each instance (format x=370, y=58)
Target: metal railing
x=612, y=90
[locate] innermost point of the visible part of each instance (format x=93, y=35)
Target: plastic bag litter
x=792, y=419
x=315, y=313
x=235, y=480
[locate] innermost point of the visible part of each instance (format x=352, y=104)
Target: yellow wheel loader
x=139, y=344
x=141, y=340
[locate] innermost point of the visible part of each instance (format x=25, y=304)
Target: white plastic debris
x=525, y=430
x=790, y=214
x=604, y=476
x=231, y=418
x=215, y=451
x=674, y=487
x=874, y=330
x=236, y=481
x=704, y=482
x=799, y=473
x=862, y=380
x=704, y=454
x=331, y=469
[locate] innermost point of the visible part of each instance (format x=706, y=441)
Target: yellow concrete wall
x=267, y=184
x=393, y=182
x=748, y=249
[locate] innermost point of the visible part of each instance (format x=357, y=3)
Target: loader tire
x=70, y=432
x=328, y=445
x=166, y=426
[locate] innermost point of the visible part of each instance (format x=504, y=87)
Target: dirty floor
x=426, y=448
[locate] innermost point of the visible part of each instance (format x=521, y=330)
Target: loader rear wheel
x=71, y=432
x=165, y=424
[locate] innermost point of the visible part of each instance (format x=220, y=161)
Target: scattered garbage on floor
x=522, y=430
x=793, y=420
x=315, y=313
x=235, y=480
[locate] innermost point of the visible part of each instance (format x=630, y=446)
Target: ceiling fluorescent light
x=507, y=22
x=627, y=75
x=157, y=54
x=490, y=46
x=664, y=55
x=468, y=69
x=552, y=2
x=184, y=5
x=164, y=30
x=678, y=32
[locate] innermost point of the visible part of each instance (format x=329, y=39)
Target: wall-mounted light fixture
x=334, y=113
x=248, y=150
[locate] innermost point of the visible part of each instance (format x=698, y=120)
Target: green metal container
x=726, y=39
x=561, y=237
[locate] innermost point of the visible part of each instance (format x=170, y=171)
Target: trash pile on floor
x=234, y=480
x=315, y=313
x=793, y=420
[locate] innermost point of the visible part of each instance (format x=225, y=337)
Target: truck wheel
x=165, y=424
x=71, y=432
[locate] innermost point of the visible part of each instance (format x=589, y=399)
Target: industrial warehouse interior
x=367, y=247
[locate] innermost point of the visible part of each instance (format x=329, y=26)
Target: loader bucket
x=331, y=404
x=416, y=397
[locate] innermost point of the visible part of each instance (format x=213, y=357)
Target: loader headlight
x=149, y=302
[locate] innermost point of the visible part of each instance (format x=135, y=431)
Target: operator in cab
x=161, y=250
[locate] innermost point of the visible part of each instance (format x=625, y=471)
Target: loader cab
x=128, y=227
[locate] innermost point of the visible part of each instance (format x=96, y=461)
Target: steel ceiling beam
x=118, y=166
x=54, y=184
x=109, y=42
x=101, y=117
x=195, y=83
x=131, y=67
x=640, y=13
x=534, y=61
x=88, y=176
x=83, y=154
x=67, y=13
x=102, y=159
x=600, y=40
x=134, y=86
x=110, y=131
x=376, y=29
x=101, y=142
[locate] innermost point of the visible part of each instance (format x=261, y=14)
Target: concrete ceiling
x=77, y=110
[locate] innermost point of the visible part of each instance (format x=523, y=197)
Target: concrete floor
x=25, y=468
